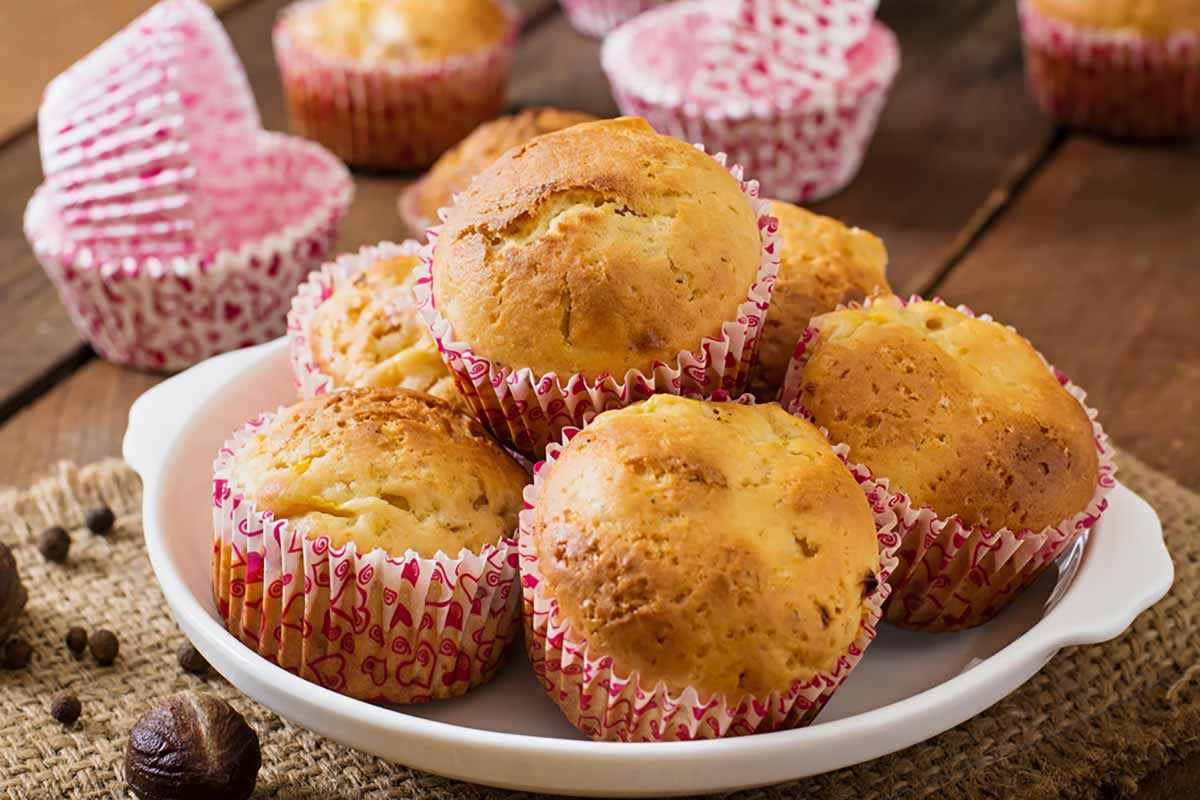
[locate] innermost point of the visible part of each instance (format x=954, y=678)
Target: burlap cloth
x=1094, y=721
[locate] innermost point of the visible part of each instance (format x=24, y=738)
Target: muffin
x=1128, y=69
x=363, y=541
x=715, y=561
x=392, y=84
x=692, y=70
x=598, y=17
x=994, y=461
x=822, y=264
x=355, y=323
x=593, y=267
x=453, y=172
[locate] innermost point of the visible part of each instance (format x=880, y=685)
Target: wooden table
x=1087, y=247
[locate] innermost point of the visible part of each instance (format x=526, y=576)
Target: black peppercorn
x=16, y=654
x=65, y=707
x=99, y=520
x=104, y=646
x=190, y=659
x=77, y=640
x=53, y=544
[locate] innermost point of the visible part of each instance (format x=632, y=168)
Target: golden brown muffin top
x=375, y=31
x=1159, y=18
x=713, y=545
x=383, y=468
x=822, y=264
x=454, y=170
x=369, y=333
x=960, y=414
x=603, y=247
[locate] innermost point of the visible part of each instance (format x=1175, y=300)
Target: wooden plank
x=41, y=39
x=1096, y=263
x=958, y=125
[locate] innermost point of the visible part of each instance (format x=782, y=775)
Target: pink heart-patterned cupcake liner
x=145, y=133
x=607, y=702
x=598, y=17
x=319, y=287
x=953, y=576
x=391, y=115
x=804, y=139
x=528, y=411
x=166, y=311
x=1117, y=83
x=381, y=627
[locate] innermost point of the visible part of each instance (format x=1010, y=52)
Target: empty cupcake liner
x=394, y=115
x=803, y=144
x=147, y=133
x=598, y=17
x=167, y=311
x=1116, y=83
x=952, y=576
x=529, y=411
x=607, y=702
x=319, y=287
x=387, y=628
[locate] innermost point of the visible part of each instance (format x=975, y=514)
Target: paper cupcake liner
x=1116, y=83
x=607, y=702
x=801, y=149
x=598, y=17
x=392, y=116
x=319, y=287
x=953, y=576
x=382, y=628
x=150, y=126
x=529, y=411
x=165, y=313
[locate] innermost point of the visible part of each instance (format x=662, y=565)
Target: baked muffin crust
x=369, y=333
x=713, y=545
x=601, y=248
x=383, y=468
x=377, y=31
x=1158, y=18
x=958, y=413
x=822, y=263
x=453, y=172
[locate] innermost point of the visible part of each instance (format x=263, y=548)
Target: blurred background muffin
x=347, y=480
x=694, y=545
x=822, y=263
x=392, y=84
x=1120, y=68
x=962, y=416
x=355, y=324
x=419, y=203
x=598, y=17
x=591, y=253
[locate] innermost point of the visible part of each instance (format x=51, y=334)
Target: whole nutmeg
x=192, y=745
x=12, y=593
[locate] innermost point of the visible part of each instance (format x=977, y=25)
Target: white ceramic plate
x=908, y=688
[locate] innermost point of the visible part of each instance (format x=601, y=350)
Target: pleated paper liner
x=388, y=628
x=393, y=115
x=528, y=411
x=953, y=576
x=803, y=142
x=149, y=129
x=1117, y=83
x=168, y=307
x=597, y=17
x=608, y=702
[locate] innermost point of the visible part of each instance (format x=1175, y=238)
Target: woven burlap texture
x=1094, y=720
